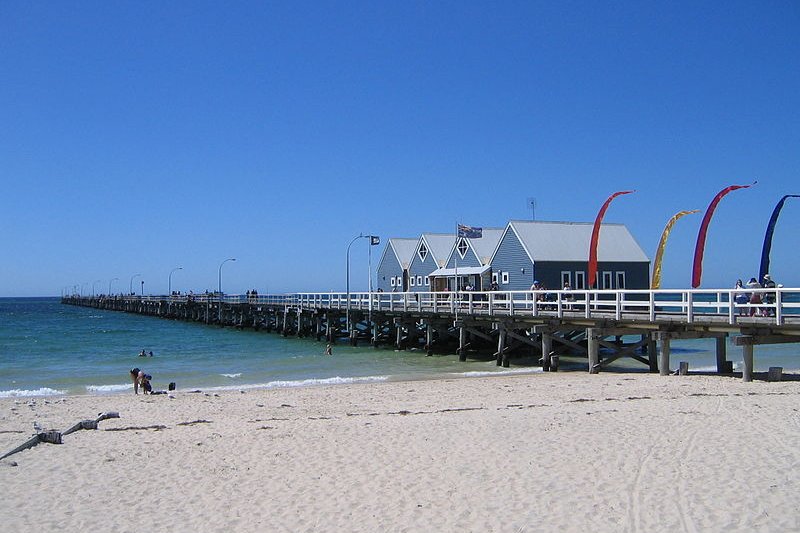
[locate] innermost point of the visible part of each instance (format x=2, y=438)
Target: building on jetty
x=553, y=253
x=600, y=325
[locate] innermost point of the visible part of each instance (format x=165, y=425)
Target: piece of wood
x=593, y=347
x=30, y=443
x=683, y=368
x=747, y=356
x=663, y=356
x=775, y=373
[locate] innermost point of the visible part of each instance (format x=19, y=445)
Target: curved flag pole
x=656, y=283
x=764, y=268
x=697, y=268
x=595, y=237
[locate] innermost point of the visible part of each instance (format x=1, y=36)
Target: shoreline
x=505, y=453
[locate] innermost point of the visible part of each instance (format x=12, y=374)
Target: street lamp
x=130, y=285
x=112, y=280
x=373, y=240
x=219, y=275
x=142, y=293
x=169, y=282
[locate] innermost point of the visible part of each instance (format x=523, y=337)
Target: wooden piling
x=547, y=348
x=722, y=354
x=593, y=348
x=663, y=362
x=747, y=355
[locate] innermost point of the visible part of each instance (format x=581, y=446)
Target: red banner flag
x=697, y=269
x=595, y=237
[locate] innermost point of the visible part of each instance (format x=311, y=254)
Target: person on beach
x=142, y=353
x=138, y=377
x=146, y=387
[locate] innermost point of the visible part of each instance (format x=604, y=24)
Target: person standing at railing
x=740, y=297
x=568, y=297
x=755, y=297
x=769, y=297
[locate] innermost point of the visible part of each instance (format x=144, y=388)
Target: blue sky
x=136, y=137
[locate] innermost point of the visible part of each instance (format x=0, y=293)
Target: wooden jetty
x=543, y=324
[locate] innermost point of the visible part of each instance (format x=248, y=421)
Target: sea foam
x=300, y=383
x=475, y=374
x=232, y=375
x=109, y=388
x=44, y=391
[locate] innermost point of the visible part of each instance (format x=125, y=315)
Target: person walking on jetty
x=769, y=297
x=755, y=297
x=740, y=297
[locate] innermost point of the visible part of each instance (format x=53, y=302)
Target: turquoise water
x=47, y=348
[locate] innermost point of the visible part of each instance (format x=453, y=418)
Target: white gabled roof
x=484, y=247
x=569, y=241
x=439, y=245
x=404, y=250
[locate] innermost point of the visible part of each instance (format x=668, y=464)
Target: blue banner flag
x=470, y=232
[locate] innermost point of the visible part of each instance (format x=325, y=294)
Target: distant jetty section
x=600, y=325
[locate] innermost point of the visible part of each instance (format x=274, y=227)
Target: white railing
x=684, y=305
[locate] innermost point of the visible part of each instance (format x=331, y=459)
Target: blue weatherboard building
x=555, y=253
x=393, y=267
x=470, y=259
x=431, y=253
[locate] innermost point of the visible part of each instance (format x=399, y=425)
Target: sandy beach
x=542, y=452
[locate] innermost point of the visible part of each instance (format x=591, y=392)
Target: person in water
x=137, y=376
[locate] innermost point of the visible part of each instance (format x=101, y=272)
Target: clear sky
x=136, y=137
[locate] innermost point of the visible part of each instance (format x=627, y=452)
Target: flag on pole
x=374, y=240
x=470, y=232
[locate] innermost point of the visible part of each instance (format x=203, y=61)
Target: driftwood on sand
x=54, y=437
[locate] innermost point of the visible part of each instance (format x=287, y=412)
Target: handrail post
x=778, y=307
x=731, y=308
x=652, y=306
x=535, y=308
x=689, y=307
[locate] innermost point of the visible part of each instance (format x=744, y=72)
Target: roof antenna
x=531, y=204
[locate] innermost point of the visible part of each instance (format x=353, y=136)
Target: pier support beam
x=462, y=340
x=664, y=356
x=547, y=349
x=722, y=356
x=652, y=355
x=593, y=347
x=502, y=359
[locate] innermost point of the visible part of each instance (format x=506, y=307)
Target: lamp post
x=169, y=280
x=109, y=284
x=373, y=240
x=219, y=275
x=142, y=293
x=93, y=284
x=130, y=285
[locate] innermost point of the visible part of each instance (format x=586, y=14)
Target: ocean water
x=47, y=348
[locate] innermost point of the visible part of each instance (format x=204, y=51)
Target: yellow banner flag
x=656, y=283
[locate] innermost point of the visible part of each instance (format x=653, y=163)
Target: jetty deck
x=545, y=324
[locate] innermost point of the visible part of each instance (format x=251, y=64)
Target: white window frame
x=566, y=275
x=620, y=274
x=419, y=281
x=391, y=281
x=506, y=279
x=422, y=252
x=608, y=279
x=580, y=275
x=411, y=281
x=427, y=281
x=399, y=283
x=494, y=277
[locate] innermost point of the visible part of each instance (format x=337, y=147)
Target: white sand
x=544, y=452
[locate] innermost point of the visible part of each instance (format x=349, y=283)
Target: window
x=566, y=276
x=419, y=281
x=392, y=281
x=462, y=247
x=607, y=281
x=411, y=279
x=494, y=277
x=505, y=278
x=620, y=280
x=427, y=281
x=580, y=280
x=399, y=282
x=422, y=252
